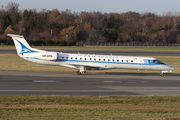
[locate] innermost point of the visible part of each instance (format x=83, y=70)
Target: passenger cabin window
x=66, y=57
x=76, y=58
x=132, y=61
x=117, y=60
x=90, y=59
x=80, y=58
x=94, y=58
x=99, y=59
x=104, y=59
x=62, y=57
x=71, y=58
x=126, y=60
x=84, y=58
x=113, y=60
x=122, y=60
x=108, y=59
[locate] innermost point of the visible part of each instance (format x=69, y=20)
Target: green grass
x=90, y=108
x=86, y=107
x=12, y=62
x=120, y=48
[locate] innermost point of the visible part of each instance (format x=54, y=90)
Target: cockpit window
x=157, y=61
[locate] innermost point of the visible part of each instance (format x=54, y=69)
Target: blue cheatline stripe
x=60, y=60
x=32, y=58
x=24, y=49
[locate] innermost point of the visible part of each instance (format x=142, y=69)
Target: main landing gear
x=82, y=70
x=79, y=73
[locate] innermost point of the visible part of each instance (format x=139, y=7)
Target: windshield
x=157, y=61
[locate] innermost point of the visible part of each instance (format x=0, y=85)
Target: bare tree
x=12, y=9
x=163, y=35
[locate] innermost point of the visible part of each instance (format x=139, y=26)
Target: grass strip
x=12, y=62
x=87, y=107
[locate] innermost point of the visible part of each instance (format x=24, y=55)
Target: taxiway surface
x=91, y=84
x=106, y=52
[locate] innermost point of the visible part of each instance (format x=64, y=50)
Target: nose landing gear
x=162, y=75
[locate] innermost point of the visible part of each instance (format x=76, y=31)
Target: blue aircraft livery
x=25, y=49
x=84, y=62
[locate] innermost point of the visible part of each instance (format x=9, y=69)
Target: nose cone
x=170, y=68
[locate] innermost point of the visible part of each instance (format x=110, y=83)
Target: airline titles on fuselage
x=98, y=58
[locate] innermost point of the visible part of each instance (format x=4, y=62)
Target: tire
x=162, y=75
x=79, y=73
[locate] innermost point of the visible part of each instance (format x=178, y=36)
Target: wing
x=88, y=67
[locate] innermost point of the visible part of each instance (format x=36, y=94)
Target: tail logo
x=24, y=49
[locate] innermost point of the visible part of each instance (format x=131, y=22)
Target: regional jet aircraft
x=84, y=62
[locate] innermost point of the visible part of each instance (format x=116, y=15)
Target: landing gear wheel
x=79, y=73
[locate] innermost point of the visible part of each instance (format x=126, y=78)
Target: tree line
x=67, y=28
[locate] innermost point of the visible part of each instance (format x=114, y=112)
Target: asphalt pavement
x=106, y=52
x=90, y=84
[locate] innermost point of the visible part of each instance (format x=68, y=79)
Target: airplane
x=84, y=62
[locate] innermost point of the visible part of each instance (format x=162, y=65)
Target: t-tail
x=34, y=55
x=21, y=45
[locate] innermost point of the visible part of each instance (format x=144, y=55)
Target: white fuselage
x=98, y=62
x=85, y=62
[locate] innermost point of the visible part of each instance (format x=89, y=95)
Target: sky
x=105, y=6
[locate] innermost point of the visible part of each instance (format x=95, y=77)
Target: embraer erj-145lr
x=84, y=62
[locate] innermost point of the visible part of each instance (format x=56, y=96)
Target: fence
x=129, y=44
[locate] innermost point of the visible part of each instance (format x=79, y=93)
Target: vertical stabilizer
x=21, y=44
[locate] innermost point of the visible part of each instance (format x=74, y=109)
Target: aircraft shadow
x=131, y=74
